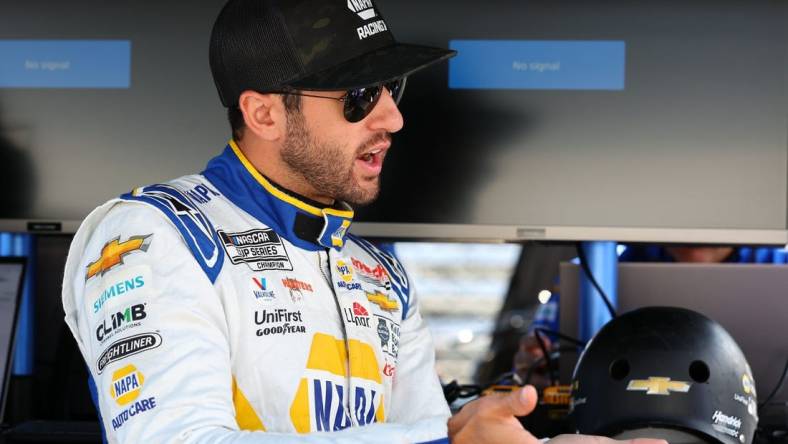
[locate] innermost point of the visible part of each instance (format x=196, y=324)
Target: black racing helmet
x=665, y=372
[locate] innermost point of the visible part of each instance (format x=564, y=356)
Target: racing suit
x=219, y=303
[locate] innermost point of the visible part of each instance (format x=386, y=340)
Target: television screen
x=603, y=114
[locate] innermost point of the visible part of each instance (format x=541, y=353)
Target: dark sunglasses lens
x=359, y=102
x=396, y=88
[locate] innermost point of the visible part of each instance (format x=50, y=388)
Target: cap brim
x=381, y=65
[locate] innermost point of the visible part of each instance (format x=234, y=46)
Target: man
x=234, y=300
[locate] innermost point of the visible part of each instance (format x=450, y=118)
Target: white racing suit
x=220, y=308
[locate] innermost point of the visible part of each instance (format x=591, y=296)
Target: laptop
x=11, y=278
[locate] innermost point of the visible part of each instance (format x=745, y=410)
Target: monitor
x=571, y=120
x=11, y=274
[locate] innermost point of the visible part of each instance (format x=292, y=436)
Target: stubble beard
x=324, y=166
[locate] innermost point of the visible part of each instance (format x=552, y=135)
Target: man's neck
x=267, y=161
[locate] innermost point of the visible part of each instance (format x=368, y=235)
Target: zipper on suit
x=324, y=263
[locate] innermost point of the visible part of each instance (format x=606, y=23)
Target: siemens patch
x=258, y=249
x=129, y=283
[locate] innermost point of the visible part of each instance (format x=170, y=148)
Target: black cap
x=268, y=45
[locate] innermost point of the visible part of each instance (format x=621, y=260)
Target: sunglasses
x=359, y=102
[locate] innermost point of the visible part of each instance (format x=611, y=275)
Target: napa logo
x=329, y=408
x=363, y=8
x=345, y=272
x=320, y=403
x=349, y=286
x=126, y=384
x=201, y=194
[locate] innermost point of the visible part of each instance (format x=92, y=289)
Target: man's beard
x=324, y=165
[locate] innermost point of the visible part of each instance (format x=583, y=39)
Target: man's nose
x=385, y=116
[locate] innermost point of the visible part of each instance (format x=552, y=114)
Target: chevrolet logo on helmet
x=658, y=386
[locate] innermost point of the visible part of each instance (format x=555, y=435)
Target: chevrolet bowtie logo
x=382, y=301
x=658, y=386
x=112, y=254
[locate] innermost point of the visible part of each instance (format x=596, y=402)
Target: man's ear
x=264, y=114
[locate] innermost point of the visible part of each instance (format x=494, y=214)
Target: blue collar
x=304, y=224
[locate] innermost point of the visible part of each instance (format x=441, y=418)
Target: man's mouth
x=371, y=156
x=371, y=160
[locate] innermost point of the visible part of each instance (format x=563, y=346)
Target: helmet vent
x=619, y=369
x=699, y=371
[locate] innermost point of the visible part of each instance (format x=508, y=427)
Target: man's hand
x=491, y=419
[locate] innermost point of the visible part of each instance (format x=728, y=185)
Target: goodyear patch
x=279, y=322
